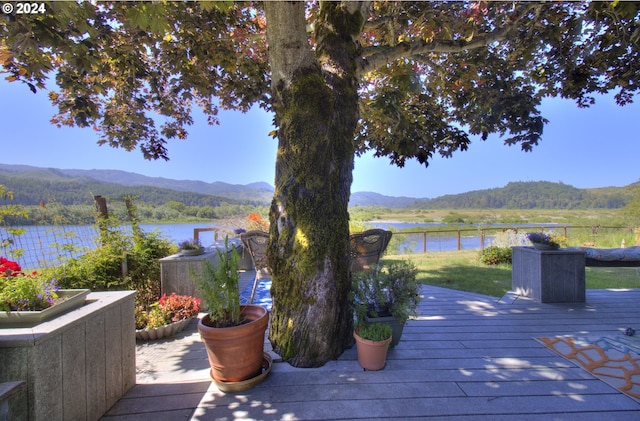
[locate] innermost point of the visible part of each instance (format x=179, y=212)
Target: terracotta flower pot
x=165, y=331
x=372, y=355
x=236, y=353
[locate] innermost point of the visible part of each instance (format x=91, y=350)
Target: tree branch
x=376, y=57
x=359, y=6
x=378, y=23
x=287, y=38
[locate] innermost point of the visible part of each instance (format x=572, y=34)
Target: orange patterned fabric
x=611, y=359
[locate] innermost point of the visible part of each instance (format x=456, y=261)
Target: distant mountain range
x=31, y=183
x=256, y=192
x=259, y=192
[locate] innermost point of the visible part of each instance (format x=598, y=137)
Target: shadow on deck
x=467, y=356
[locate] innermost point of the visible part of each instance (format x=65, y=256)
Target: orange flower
x=257, y=222
x=254, y=217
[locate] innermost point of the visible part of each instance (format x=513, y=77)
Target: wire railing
x=45, y=246
x=423, y=241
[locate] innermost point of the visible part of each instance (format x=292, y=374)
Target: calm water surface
x=44, y=245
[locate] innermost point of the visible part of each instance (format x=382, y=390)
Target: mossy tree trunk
x=315, y=102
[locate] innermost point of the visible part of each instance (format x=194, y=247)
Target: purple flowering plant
x=542, y=238
x=20, y=291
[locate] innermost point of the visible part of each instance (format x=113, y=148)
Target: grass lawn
x=461, y=270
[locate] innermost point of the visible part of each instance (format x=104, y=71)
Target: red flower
x=9, y=267
x=180, y=306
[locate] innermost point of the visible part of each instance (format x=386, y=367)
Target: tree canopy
x=431, y=73
x=405, y=79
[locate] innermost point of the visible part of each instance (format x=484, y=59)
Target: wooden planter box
x=75, y=366
x=553, y=276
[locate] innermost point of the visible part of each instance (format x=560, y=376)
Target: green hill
x=32, y=185
x=32, y=191
x=531, y=195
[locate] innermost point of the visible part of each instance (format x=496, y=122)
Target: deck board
x=466, y=357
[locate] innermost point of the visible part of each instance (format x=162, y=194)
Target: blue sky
x=595, y=147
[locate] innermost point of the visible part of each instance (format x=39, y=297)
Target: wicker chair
x=255, y=242
x=367, y=247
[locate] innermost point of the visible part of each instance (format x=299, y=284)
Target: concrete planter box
x=75, y=366
x=175, y=269
x=554, y=276
x=74, y=298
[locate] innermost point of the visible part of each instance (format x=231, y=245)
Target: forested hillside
x=532, y=195
x=251, y=193
x=33, y=185
x=29, y=191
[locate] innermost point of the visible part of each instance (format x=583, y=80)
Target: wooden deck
x=467, y=357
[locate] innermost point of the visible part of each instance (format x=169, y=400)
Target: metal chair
x=256, y=242
x=367, y=247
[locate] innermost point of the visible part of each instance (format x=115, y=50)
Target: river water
x=44, y=245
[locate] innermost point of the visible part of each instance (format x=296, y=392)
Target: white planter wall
x=75, y=366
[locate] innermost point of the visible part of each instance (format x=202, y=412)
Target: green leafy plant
x=374, y=331
x=387, y=290
x=7, y=212
x=152, y=318
x=123, y=260
x=143, y=264
x=494, y=255
x=219, y=287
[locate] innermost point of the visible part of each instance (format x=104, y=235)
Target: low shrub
x=493, y=255
x=123, y=261
x=510, y=238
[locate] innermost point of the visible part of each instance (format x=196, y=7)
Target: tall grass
x=461, y=270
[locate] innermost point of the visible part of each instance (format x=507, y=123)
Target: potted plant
x=233, y=334
x=27, y=299
x=542, y=241
x=372, y=343
x=387, y=294
x=165, y=317
x=190, y=247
